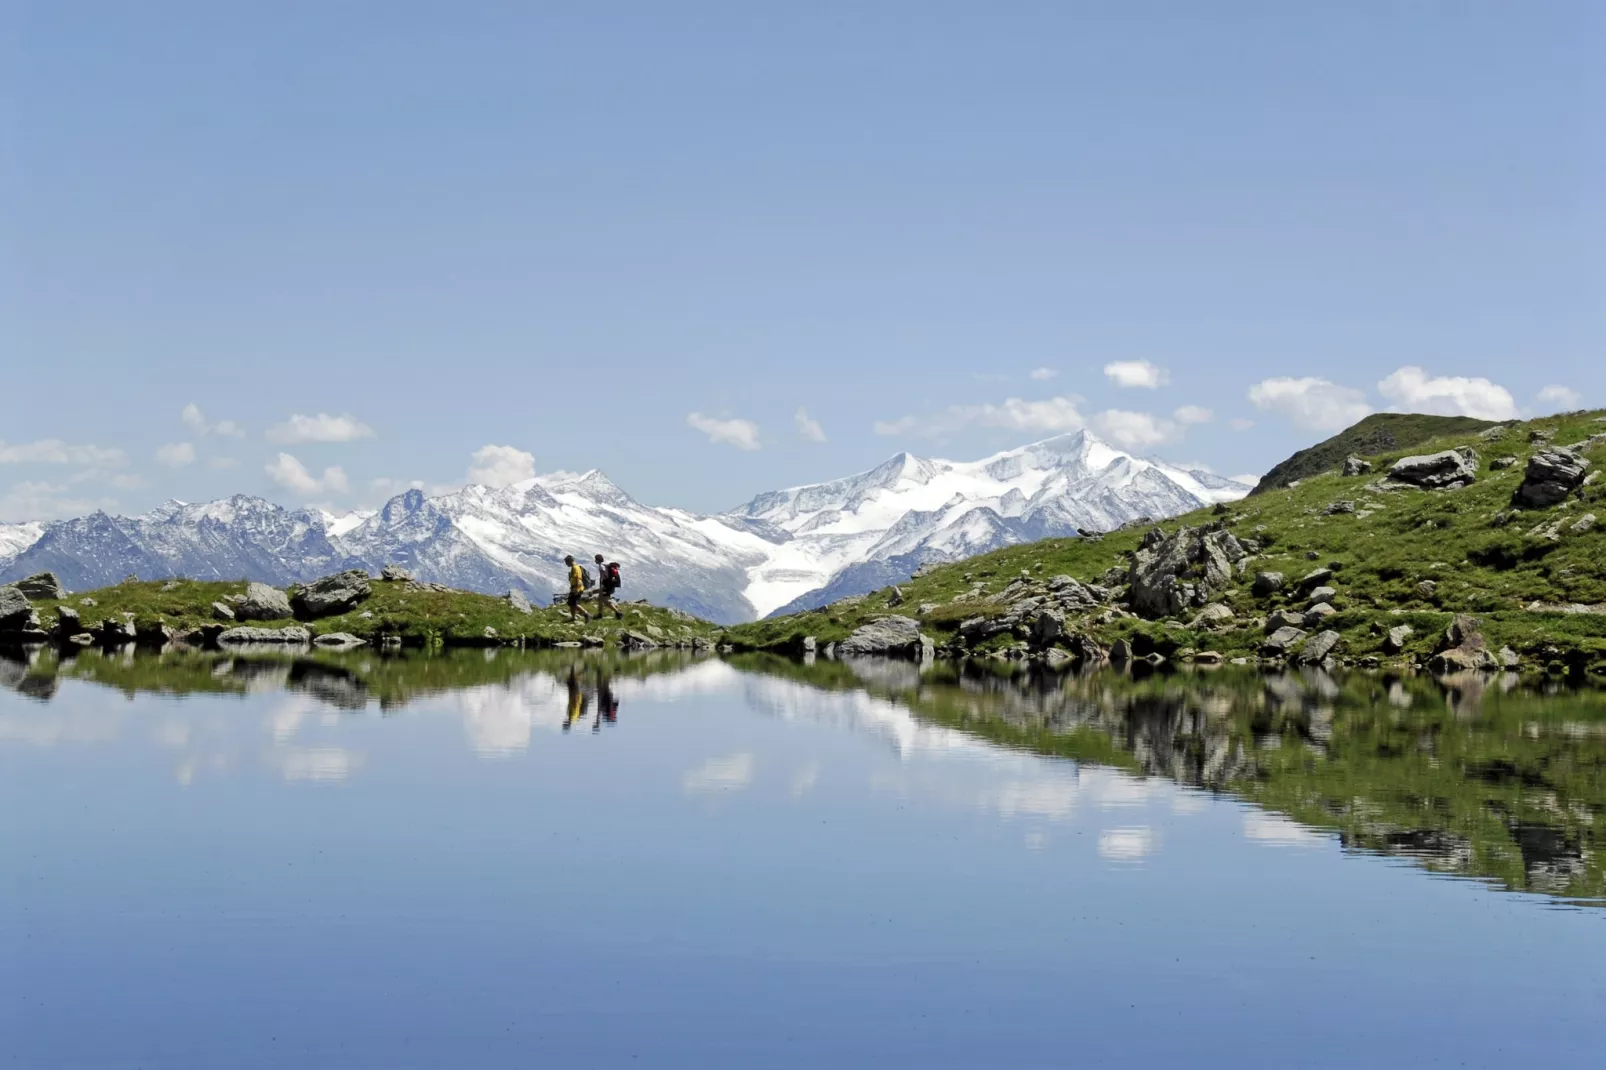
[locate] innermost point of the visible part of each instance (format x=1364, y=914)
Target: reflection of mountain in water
x=1474, y=776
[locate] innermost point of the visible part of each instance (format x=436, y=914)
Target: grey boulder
x=242, y=636
x=516, y=599
x=1552, y=475
x=262, y=602
x=1282, y=640
x=394, y=574
x=339, y=641
x=14, y=607
x=891, y=637
x=42, y=585
x=1355, y=466
x=1444, y=470
x=331, y=595
x=1267, y=583
x=1319, y=646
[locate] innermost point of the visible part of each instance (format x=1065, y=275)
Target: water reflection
x=1486, y=777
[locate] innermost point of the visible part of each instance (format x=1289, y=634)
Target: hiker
x=607, y=583
x=577, y=588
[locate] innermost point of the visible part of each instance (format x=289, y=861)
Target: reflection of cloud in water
x=1127, y=844
x=806, y=778
x=1275, y=830
x=730, y=773
x=1189, y=802
x=861, y=712
x=316, y=763
x=1052, y=798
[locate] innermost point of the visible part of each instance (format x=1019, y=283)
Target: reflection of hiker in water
x=577, y=699
x=607, y=704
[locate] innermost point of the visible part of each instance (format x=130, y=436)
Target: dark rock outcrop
x=1172, y=573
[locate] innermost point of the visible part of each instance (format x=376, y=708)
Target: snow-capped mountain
x=854, y=535
x=783, y=550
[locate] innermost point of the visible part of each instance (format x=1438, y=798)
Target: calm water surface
x=528, y=860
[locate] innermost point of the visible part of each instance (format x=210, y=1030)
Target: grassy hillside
x=1378, y=434
x=1479, y=555
x=416, y=615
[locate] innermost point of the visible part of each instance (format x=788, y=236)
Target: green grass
x=1469, y=542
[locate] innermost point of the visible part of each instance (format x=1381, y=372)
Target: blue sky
x=715, y=248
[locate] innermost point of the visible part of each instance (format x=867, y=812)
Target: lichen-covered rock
x=262, y=602
x=894, y=637
x=1552, y=475
x=1212, y=616
x=1444, y=470
x=331, y=595
x=292, y=635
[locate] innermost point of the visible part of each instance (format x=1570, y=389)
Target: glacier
x=781, y=551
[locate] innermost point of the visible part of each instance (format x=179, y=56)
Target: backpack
x=586, y=582
x=610, y=576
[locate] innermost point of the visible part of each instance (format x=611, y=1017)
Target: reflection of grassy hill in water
x=1476, y=776
x=1465, y=777
x=345, y=680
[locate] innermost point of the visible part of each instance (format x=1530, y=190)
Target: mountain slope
x=1378, y=433
x=783, y=549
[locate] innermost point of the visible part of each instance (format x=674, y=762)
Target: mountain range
x=782, y=551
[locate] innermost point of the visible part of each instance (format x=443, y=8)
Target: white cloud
x=292, y=475
x=743, y=434
x=1411, y=389
x=319, y=428
x=46, y=501
x=809, y=429
x=1043, y=375
x=1246, y=478
x=1238, y=423
x=500, y=466
x=1137, y=373
x=1561, y=398
x=194, y=419
x=1311, y=403
x=176, y=454
x=55, y=451
x=1142, y=430
x=731, y=773
x=1051, y=416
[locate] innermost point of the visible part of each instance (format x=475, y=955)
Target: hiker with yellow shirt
x=577, y=588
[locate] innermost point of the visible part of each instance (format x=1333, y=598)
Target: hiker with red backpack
x=607, y=583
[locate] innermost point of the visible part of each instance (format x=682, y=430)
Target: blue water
x=737, y=871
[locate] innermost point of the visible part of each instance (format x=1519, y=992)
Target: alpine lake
x=491, y=858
